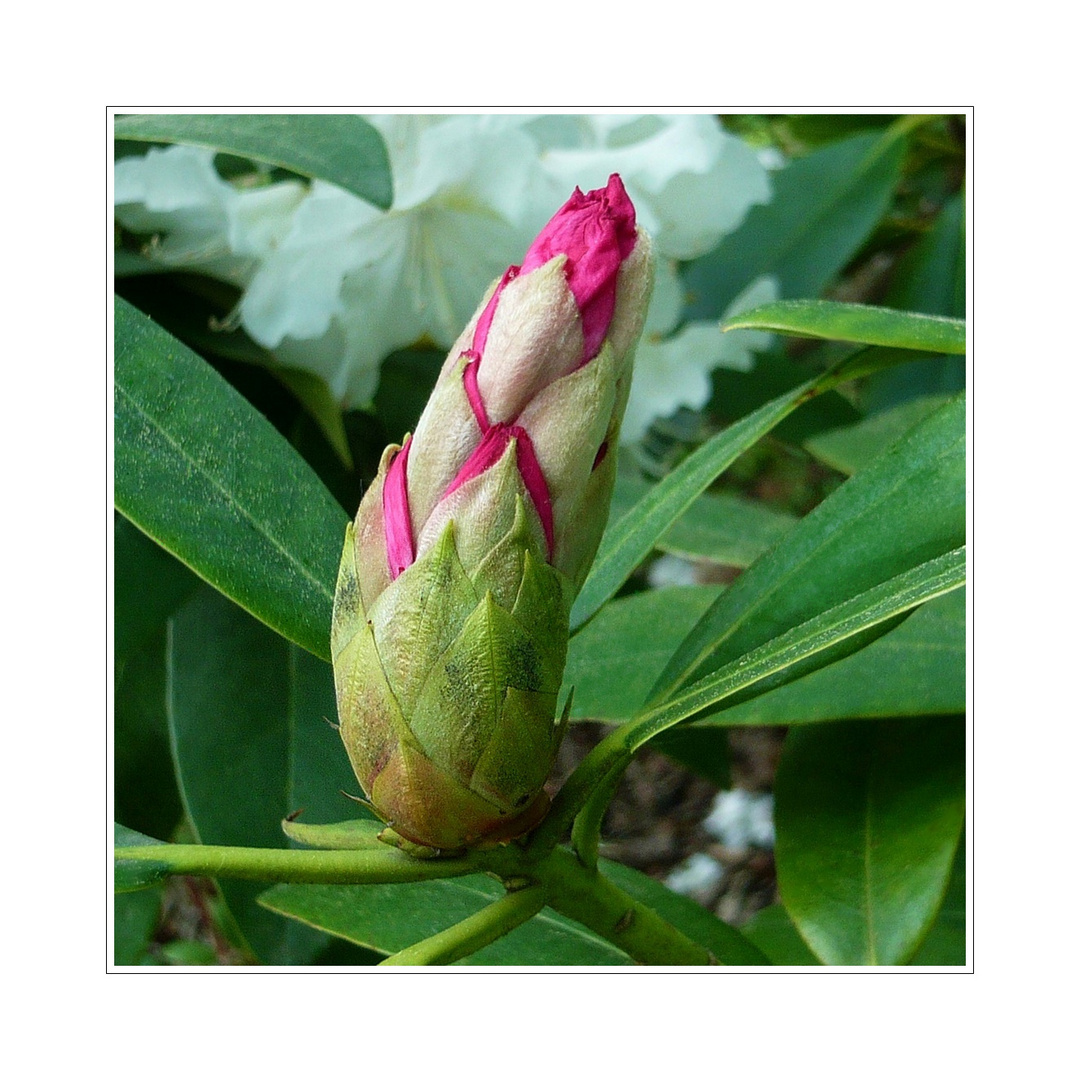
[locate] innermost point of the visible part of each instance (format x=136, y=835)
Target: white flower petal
x=668, y=374
x=334, y=283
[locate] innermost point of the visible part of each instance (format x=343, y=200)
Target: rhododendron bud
x=453, y=599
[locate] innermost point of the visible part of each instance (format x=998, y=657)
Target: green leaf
x=248, y=716
x=701, y=749
x=907, y=507
x=849, y=449
x=389, y=918
x=130, y=874
x=823, y=207
x=723, y=941
x=802, y=647
x=915, y=670
x=945, y=945
x=628, y=540
x=148, y=586
x=930, y=276
x=725, y=529
x=146, y=796
x=135, y=917
x=344, y=150
x=773, y=932
x=868, y=817
x=209, y=478
x=718, y=528
x=613, y=661
x=857, y=323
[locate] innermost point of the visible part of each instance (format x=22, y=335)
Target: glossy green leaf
x=918, y=669
x=931, y=278
x=859, y=324
x=773, y=932
x=129, y=874
x=726, y=943
x=135, y=917
x=341, y=149
x=907, y=507
x=145, y=792
x=248, y=715
x=209, y=478
x=389, y=918
x=868, y=817
x=719, y=528
x=701, y=749
x=628, y=540
x=613, y=661
x=945, y=944
x=823, y=207
x=849, y=449
x=148, y=586
x=802, y=647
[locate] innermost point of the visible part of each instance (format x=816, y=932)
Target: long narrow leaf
x=212, y=481
x=345, y=150
x=628, y=540
x=906, y=507
x=634, y=535
x=824, y=634
x=857, y=323
x=821, y=634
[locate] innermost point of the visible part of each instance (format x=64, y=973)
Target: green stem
x=472, y=934
x=583, y=894
x=288, y=865
x=555, y=877
x=585, y=836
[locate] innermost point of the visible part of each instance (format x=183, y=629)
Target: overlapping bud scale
x=453, y=597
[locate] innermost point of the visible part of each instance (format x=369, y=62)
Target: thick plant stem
x=557, y=878
x=586, y=896
x=288, y=865
x=472, y=934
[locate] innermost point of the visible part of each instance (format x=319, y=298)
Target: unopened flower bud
x=453, y=598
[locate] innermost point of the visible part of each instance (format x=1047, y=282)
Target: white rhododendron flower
x=209, y=224
x=333, y=284
x=674, y=371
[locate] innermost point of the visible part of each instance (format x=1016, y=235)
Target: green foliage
x=841, y=613
x=246, y=703
x=344, y=150
x=205, y=475
x=855, y=322
x=868, y=818
x=824, y=206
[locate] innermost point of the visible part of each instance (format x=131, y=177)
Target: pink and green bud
x=453, y=599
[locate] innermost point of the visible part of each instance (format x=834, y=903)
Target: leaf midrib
x=778, y=583
x=230, y=497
